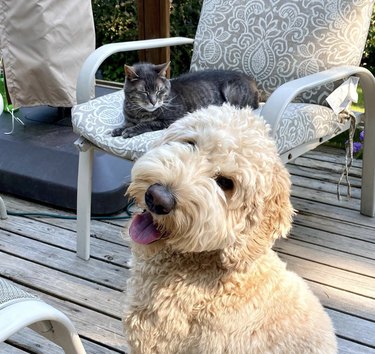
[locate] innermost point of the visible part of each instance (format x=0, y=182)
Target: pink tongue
x=142, y=230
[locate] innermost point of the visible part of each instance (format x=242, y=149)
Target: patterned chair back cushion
x=276, y=41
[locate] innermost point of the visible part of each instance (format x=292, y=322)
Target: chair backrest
x=276, y=41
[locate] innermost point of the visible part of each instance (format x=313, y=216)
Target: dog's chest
x=193, y=292
x=188, y=305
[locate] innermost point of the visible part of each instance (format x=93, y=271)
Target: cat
x=153, y=102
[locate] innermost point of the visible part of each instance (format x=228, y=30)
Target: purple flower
x=357, y=146
x=362, y=135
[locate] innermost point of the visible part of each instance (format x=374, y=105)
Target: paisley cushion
x=276, y=41
x=95, y=120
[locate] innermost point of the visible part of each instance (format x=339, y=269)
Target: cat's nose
x=159, y=199
x=153, y=100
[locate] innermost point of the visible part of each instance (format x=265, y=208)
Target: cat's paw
x=117, y=132
x=128, y=133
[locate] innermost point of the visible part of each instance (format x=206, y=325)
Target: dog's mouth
x=143, y=230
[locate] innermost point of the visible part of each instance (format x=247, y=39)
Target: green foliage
x=360, y=105
x=368, y=59
x=184, y=22
x=340, y=140
x=115, y=21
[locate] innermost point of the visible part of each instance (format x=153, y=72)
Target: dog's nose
x=159, y=199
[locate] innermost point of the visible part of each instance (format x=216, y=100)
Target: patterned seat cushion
x=95, y=120
x=11, y=294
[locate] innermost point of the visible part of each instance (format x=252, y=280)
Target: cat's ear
x=162, y=69
x=130, y=73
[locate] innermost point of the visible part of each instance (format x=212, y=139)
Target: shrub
x=184, y=22
x=115, y=21
x=368, y=59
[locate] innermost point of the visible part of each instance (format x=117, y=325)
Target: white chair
x=290, y=48
x=19, y=309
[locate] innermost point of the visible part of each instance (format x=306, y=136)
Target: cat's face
x=146, y=85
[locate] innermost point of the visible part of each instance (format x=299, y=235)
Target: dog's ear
x=269, y=220
x=273, y=219
x=278, y=210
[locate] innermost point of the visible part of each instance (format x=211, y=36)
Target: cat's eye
x=226, y=184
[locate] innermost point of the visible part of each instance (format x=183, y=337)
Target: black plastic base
x=40, y=162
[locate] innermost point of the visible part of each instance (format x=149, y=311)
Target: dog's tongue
x=142, y=230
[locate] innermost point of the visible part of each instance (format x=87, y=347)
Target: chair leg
x=368, y=168
x=60, y=331
x=368, y=173
x=84, y=190
x=67, y=339
x=3, y=210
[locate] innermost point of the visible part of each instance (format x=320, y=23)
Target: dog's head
x=215, y=182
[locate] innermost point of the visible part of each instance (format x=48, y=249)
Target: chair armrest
x=86, y=76
x=282, y=96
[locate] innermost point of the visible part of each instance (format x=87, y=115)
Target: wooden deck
x=331, y=245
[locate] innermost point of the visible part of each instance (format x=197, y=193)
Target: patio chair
x=19, y=309
x=298, y=52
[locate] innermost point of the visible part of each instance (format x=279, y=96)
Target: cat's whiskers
x=136, y=109
x=168, y=105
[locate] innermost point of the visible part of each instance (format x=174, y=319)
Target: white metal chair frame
x=272, y=111
x=3, y=210
x=19, y=309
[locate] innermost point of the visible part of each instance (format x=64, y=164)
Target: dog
x=203, y=278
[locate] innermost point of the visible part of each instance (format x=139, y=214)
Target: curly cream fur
x=214, y=285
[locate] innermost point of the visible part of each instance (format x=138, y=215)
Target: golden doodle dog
x=204, y=278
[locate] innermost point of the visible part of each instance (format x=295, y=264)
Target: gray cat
x=153, y=102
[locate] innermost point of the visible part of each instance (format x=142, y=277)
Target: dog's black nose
x=159, y=199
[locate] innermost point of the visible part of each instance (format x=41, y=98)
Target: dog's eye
x=224, y=183
x=190, y=142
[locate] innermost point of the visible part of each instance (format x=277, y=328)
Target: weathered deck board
x=30, y=342
x=330, y=257
x=331, y=245
x=352, y=328
x=9, y=349
x=349, y=347
x=63, y=285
